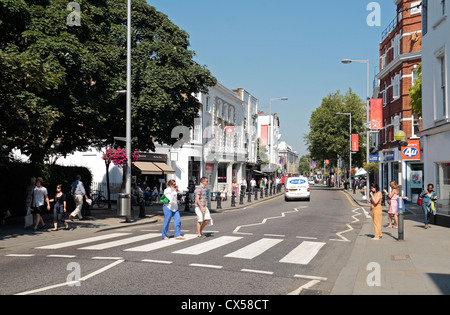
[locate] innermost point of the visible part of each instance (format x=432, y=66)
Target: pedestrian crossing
x=302, y=252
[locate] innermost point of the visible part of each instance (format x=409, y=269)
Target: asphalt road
x=272, y=247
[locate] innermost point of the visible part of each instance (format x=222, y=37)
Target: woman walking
x=59, y=208
x=428, y=196
x=393, y=204
x=376, y=210
x=171, y=211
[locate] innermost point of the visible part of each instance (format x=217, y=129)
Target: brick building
x=400, y=56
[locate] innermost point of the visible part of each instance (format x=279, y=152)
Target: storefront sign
x=412, y=151
x=389, y=155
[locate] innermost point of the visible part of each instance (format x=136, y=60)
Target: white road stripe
x=164, y=262
x=83, y=241
x=206, y=266
x=160, y=244
x=258, y=271
x=208, y=246
x=122, y=242
x=254, y=249
x=61, y=256
x=303, y=253
x=19, y=255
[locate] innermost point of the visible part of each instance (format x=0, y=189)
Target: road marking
x=307, y=237
x=311, y=277
x=122, y=242
x=106, y=258
x=61, y=256
x=258, y=271
x=306, y=286
x=283, y=214
x=207, y=246
x=160, y=244
x=73, y=282
x=83, y=241
x=274, y=235
x=350, y=228
x=254, y=249
x=206, y=266
x=303, y=253
x=19, y=255
x=164, y=262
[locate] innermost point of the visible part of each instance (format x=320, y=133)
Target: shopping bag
x=28, y=219
x=419, y=201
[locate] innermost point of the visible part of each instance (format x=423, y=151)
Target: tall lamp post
x=400, y=137
x=348, y=61
x=350, y=135
x=270, y=124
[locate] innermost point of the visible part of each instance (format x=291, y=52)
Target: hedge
x=16, y=177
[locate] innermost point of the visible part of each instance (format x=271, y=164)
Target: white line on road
x=207, y=246
x=206, y=266
x=303, y=253
x=164, y=262
x=19, y=255
x=61, y=256
x=122, y=242
x=258, y=271
x=254, y=249
x=310, y=277
x=83, y=241
x=306, y=286
x=160, y=244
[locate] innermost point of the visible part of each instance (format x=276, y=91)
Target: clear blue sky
x=284, y=48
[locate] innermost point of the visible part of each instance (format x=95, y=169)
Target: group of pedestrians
x=37, y=202
x=170, y=209
x=427, y=199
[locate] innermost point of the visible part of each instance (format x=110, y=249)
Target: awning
x=154, y=168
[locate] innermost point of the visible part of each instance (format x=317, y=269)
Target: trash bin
x=124, y=205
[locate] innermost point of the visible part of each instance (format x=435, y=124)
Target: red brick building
x=400, y=56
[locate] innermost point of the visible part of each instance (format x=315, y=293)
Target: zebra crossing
x=302, y=253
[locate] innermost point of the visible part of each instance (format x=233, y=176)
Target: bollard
x=262, y=193
x=401, y=225
x=249, y=196
x=267, y=191
x=233, y=199
x=271, y=190
x=187, y=202
x=219, y=201
x=256, y=194
x=241, y=197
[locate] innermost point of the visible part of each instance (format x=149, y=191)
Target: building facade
x=435, y=135
x=400, y=57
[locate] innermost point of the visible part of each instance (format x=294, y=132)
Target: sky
x=284, y=48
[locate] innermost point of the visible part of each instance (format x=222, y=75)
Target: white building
x=435, y=98
x=288, y=158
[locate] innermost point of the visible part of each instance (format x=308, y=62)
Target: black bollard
x=233, y=199
x=241, y=197
x=249, y=196
x=256, y=194
x=262, y=193
x=219, y=201
x=267, y=191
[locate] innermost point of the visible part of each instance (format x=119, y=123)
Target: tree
x=58, y=83
x=415, y=93
x=329, y=133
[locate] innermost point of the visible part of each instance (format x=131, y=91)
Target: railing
x=389, y=28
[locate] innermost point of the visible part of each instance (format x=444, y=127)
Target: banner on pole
x=376, y=114
x=355, y=142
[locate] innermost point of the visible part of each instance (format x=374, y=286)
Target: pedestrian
x=223, y=192
x=253, y=185
x=428, y=196
x=243, y=185
x=28, y=202
x=191, y=188
x=78, y=191
x=376, y=210
x=40, y=196
x=170, y=210
x=234, y=187
x=201, y=209
x=393, y=204
x=59, y=208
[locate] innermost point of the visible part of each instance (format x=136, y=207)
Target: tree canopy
x=329, y=132
x=58, y=84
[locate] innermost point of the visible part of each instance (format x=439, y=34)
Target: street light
x=402, y=141
x=350, y=135
x=348, y=61
x=270, y=123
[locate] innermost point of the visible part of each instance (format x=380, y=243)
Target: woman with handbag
x=170, y=208
x=59, y=208
x=428, y=196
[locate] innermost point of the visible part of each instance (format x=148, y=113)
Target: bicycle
x=99, y=199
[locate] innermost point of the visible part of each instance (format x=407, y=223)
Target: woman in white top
x=171, y=211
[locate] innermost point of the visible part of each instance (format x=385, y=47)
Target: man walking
x=78, y=191
x=201, y=210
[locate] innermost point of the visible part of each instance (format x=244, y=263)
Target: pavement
x=417, y=265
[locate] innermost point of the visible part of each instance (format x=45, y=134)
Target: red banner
x=264, y=134
x=376, y=114
x=355, y=142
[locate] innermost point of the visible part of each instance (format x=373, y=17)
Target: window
x=416, y=7
x=415, y=126
x=442, y=7
x=396, y=87
x=443, y=93
x=396, y=45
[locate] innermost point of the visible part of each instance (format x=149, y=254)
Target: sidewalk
x=418, y=265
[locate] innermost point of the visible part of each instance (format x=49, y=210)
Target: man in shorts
x=201, y=210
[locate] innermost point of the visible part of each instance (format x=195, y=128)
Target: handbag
x=164, y=199
x=28, y=219
x=419, y=201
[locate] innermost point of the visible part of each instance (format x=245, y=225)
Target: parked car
x=297, y=188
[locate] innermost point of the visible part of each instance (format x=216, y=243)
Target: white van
x=297, y=188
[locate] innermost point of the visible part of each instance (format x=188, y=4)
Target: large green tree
x=329, y=133
x=58, y=83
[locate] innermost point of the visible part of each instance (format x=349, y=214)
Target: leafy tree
x=415, y=93
x=58, y=84
x=329, y=132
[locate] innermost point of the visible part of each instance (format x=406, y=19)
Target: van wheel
x=285, y=199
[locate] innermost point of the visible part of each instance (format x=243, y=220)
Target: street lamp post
x=350, y=135
x=270, y=124
x=400, y=137
x=348, y=61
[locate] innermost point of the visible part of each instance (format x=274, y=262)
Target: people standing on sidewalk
x=29, y=200
x=428, y=196
x=78, y=191
x=59, y=208
x=376, y=210
x=40, y=196
x=201, y=209
x=171, y=211
x=253, y=185
x=393, y=204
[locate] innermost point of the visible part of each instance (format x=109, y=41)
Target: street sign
x=412, y=151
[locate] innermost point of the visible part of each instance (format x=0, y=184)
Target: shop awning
x=154, y=168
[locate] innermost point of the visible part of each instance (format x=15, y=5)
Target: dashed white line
x=258, y=271
x=206, y=266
